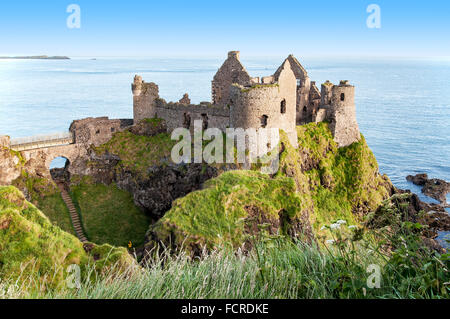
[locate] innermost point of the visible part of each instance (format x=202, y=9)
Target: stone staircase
x=76, y=222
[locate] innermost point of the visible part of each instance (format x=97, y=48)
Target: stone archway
x=59, y=169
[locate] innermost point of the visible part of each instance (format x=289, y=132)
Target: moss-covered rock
x=32, y=249
x=335, y=183
x=229, y=210
x=137, y=153
x=316, y=184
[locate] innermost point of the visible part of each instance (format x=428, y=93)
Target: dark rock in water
x=407, y=207
x=434, y=188
x=437, y=189
x=419, y=179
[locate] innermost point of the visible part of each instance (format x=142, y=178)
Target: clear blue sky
x=210, y=28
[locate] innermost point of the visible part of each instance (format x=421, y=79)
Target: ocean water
x=403, y=105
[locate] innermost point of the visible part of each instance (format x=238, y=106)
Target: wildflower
x=330, y=242
x=323, y=227
x=335, y=226
x=341, y=222
x=352, y=226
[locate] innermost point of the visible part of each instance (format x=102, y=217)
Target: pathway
x=76, y=222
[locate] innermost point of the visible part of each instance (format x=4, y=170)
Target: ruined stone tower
x=283, y=100
x=343, y=123
x=144, y=96
x=231, y=72
x=270, y=104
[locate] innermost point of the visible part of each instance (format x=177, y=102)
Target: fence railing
x=38, y=141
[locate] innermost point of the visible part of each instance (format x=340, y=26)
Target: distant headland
x=37, y=57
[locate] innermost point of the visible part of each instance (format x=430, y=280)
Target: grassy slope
x=138, y=153
x=109, y=215
x=32, y=248
x=47, y=197
x=339, y=183
x=56, y=210
x=217, y=215
x=331, y=184
x=279, y=270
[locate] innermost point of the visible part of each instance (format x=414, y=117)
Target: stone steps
x=76, y=222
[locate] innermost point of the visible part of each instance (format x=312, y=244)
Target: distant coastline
x=37, y=57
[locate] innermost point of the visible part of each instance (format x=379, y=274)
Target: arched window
x=342, y=97
x=264, y=120
x=283, y=107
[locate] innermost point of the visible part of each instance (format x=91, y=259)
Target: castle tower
x=343, y=123
x=268, y=105
x=231, y=71
x=326, y=93
x=144, y=96
x=304, y=108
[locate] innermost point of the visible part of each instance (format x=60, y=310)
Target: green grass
x=109, y=215
x=318, y=182
x=138, y=153
x=56, y=210
x=340, y=183
x=220, y=214
x=35, y=252
x=281, y=270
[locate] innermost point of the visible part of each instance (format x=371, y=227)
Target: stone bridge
x=38, y=152
x=41, y=141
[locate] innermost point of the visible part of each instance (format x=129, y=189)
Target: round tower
x=270, y=105
x=343, y=123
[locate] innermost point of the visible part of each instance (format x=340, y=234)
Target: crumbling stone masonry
x=283, y=100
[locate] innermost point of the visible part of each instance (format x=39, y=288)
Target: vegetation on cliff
x=45, y=195
x=108, y=214
x=229, y=210
x=33, y=251
x=317, y=182
x=138, y=152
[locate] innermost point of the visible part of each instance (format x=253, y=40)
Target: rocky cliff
x=317, y=184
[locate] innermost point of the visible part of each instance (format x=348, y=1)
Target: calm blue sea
x=403, y=105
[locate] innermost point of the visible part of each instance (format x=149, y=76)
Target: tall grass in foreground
x=278, y=270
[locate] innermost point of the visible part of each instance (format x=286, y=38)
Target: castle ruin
x=283, y=100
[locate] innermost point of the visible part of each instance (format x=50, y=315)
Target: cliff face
x=316, y=185
x=319, y=182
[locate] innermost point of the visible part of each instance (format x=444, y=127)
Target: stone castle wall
x=182, y=115
x=95, y=131
x=283, y=100
x=267, y=105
